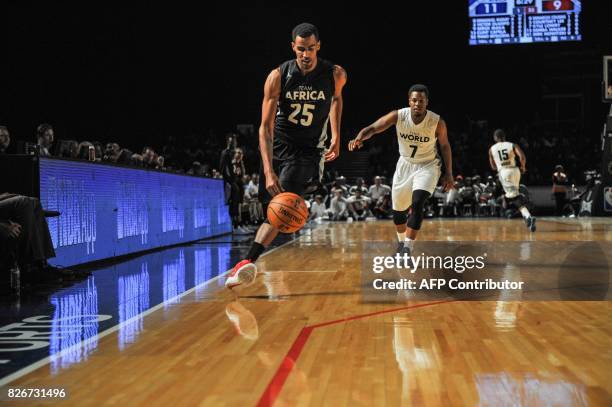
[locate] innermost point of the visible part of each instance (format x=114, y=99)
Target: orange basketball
x=287, y=212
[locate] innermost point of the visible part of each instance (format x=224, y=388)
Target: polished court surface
x=162, y=330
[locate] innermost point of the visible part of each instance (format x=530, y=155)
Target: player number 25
x=306, y=119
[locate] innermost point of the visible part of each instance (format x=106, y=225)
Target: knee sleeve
x=517, y=201
x=400, y=217
x=419, y=197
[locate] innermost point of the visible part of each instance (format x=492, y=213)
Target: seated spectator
x=148, y=157
x=159, y=163
x=378, y=190
x=317, y=208
x=45, y=136
x=359, y=204
x=83, y=153
x=5, y=140
x=111, y=153
x=25, y=233
x=338, y=208
x=216, y=174
x=359, y=186
x=383, y=206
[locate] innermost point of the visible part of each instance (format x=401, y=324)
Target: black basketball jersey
x=303, y=109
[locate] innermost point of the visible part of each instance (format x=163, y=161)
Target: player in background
x=502, y=156
x=300, y=97
x=418, y=168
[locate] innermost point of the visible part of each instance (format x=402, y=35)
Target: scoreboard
x=524, y=21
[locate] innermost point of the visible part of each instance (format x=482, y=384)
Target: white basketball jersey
x=417, y=142
x=503, y=154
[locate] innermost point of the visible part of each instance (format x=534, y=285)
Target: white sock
x=409, y=243
x=401, y=236
x=525, y=212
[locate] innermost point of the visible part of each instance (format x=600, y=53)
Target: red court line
x=275, y=386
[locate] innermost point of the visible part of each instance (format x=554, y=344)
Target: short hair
x=43, y=128
x=4, y=128
x=304, y=30
x=417, y=87
x=499, y=134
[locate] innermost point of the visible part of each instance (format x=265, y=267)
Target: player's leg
x=510, y=179
x=401, y=199
x=293, y=177
x=423, y=185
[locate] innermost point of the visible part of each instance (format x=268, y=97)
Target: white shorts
x=409, y=177
x=510, y=178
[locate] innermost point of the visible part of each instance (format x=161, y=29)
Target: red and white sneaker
x=243, y=273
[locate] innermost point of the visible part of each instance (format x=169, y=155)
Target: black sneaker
x=532, y=224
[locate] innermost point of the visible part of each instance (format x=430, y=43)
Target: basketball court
x=304, y=334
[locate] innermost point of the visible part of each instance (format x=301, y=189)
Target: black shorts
x=295, y=175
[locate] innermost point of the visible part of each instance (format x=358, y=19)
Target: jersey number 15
x=306, y=119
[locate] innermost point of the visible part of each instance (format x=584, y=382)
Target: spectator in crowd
x=5, y=140
x=317, y=208
x=233, y=170
x=338, y=207
x=559, y=189
x=378, y=190
x=251, y=199
x=160, y=162
x=196, y=169
x=148, y=157
x=359, y=205
x=467, y=196
x=25, y=236
x=382, y=206
x=45, y=136
x=83, y=153
x=216, y=173
x=358, y=186
x=111, y=153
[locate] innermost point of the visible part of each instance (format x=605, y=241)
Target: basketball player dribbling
x=502, y=159
x=418, y=168
x=300, y=98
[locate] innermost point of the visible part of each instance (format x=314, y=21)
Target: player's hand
x=355, y=144
x=273, y=185
x=448, y=182
x=14, y=230
x=333, y=152
x=523, y=170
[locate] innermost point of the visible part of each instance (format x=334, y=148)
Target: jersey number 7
x=414, y=150
x=306, y=119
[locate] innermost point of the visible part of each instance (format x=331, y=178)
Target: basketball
x=287, y=212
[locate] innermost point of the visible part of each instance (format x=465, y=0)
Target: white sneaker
x=243, y=273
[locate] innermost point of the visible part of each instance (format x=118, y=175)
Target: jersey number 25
x=306, y=119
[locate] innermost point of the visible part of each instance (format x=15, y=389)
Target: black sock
x=255, y=251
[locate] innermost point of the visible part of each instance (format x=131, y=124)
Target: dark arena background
x=129, y=203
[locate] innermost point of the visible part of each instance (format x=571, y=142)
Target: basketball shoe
x=243, y=273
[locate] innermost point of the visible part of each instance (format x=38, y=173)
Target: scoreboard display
x=524, y=21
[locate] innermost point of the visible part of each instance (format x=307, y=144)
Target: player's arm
x=378, y=126
x=335, y=113
x=272, y=89
x=448, y=181
x=492, y=161
x=521, y=156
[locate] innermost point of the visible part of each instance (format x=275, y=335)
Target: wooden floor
x=301, y=335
